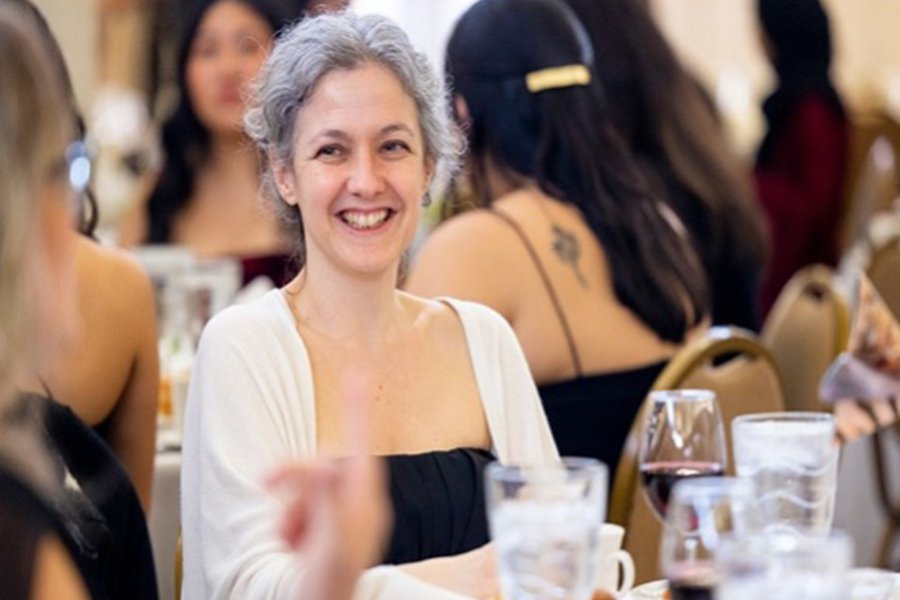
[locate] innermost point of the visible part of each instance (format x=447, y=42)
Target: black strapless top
x=592, y=415
x=439, y=506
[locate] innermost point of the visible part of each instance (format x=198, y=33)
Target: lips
x=366, y=220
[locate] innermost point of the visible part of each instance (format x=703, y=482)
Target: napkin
x=869, y=370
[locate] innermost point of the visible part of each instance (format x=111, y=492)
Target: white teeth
x=365, y=220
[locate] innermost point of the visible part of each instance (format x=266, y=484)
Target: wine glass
x=683, y=437
x=703, y=511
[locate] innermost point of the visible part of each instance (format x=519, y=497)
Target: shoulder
x=261, y=327
x=114, y=288
x=484, y=327
x=112, y=263
x=467, y=233
x=445, y=315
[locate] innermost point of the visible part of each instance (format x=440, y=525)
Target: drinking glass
x=779, y=565
x=870, y=584
x=683, y=438
x=701, y=512
x=546, y=523
x=792, y=459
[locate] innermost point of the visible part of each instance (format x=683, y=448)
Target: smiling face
x=359, y=171
x=230, y=46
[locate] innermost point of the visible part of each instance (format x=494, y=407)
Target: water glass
x=546, y=523
x=792, y=459
x=870, y=584
x=784, y=566
x=701, y=513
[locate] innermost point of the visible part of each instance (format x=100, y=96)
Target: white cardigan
x=251, y=407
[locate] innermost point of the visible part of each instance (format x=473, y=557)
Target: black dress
x=592, y=415
x=439, y=504
x=25, y=520
x=98, y=505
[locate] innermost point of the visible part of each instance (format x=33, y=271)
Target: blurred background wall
x=106, y=42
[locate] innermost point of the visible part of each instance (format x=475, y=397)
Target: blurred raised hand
x=338, y=513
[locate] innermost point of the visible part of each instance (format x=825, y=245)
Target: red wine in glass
x=695, y=582
x=658, y=478
x=684, y=590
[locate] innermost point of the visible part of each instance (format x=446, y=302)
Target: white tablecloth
x=165, y=519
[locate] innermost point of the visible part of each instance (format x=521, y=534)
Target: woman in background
x=590, y=268
x=670, y=126
x=802, y=162
x=206, y=195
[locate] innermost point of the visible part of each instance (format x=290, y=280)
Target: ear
x=284, y=180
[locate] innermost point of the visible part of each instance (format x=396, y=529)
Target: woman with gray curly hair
x=355, y=133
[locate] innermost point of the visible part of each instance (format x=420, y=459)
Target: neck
x=233, y=156
x=362, y=312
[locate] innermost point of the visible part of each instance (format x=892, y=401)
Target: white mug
x=612, y=558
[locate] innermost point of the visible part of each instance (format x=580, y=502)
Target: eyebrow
x=337, y=134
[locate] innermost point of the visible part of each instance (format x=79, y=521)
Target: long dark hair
x=563, y=139
x=670, y=123
x=801, y=39
x=185, y=140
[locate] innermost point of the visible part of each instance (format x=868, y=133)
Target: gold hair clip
x=557, y=77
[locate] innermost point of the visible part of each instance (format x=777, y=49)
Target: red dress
x=801, y=190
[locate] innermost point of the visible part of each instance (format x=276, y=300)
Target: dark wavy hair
x=564, y=140
x=670, y=123
x=185, y=140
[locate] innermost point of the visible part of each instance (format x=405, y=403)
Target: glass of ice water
x=792, y=459
x=784, y=566
x=546, y=522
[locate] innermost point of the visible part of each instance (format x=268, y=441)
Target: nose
x=366, y=179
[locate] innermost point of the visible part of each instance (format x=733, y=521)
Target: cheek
x=196, y=78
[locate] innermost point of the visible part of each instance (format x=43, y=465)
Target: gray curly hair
x=313, y=48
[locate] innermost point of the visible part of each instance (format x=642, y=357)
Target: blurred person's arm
x=55, y=576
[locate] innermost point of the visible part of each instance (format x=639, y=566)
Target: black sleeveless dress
x=439, y=505
x=98, y=506
x=25, y=520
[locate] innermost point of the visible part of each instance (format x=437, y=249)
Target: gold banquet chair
x=873, y=172
x=805, y=330
x=727, y=360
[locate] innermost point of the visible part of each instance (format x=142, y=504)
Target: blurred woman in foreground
x=36, y=319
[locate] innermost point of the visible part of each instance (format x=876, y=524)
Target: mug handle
x=627, y=563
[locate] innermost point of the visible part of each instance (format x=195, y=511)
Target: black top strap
x=567, y=332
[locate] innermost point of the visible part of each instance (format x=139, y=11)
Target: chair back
x=873, y=173
x=727, y=360
x=884, y=271
x=805, y=330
